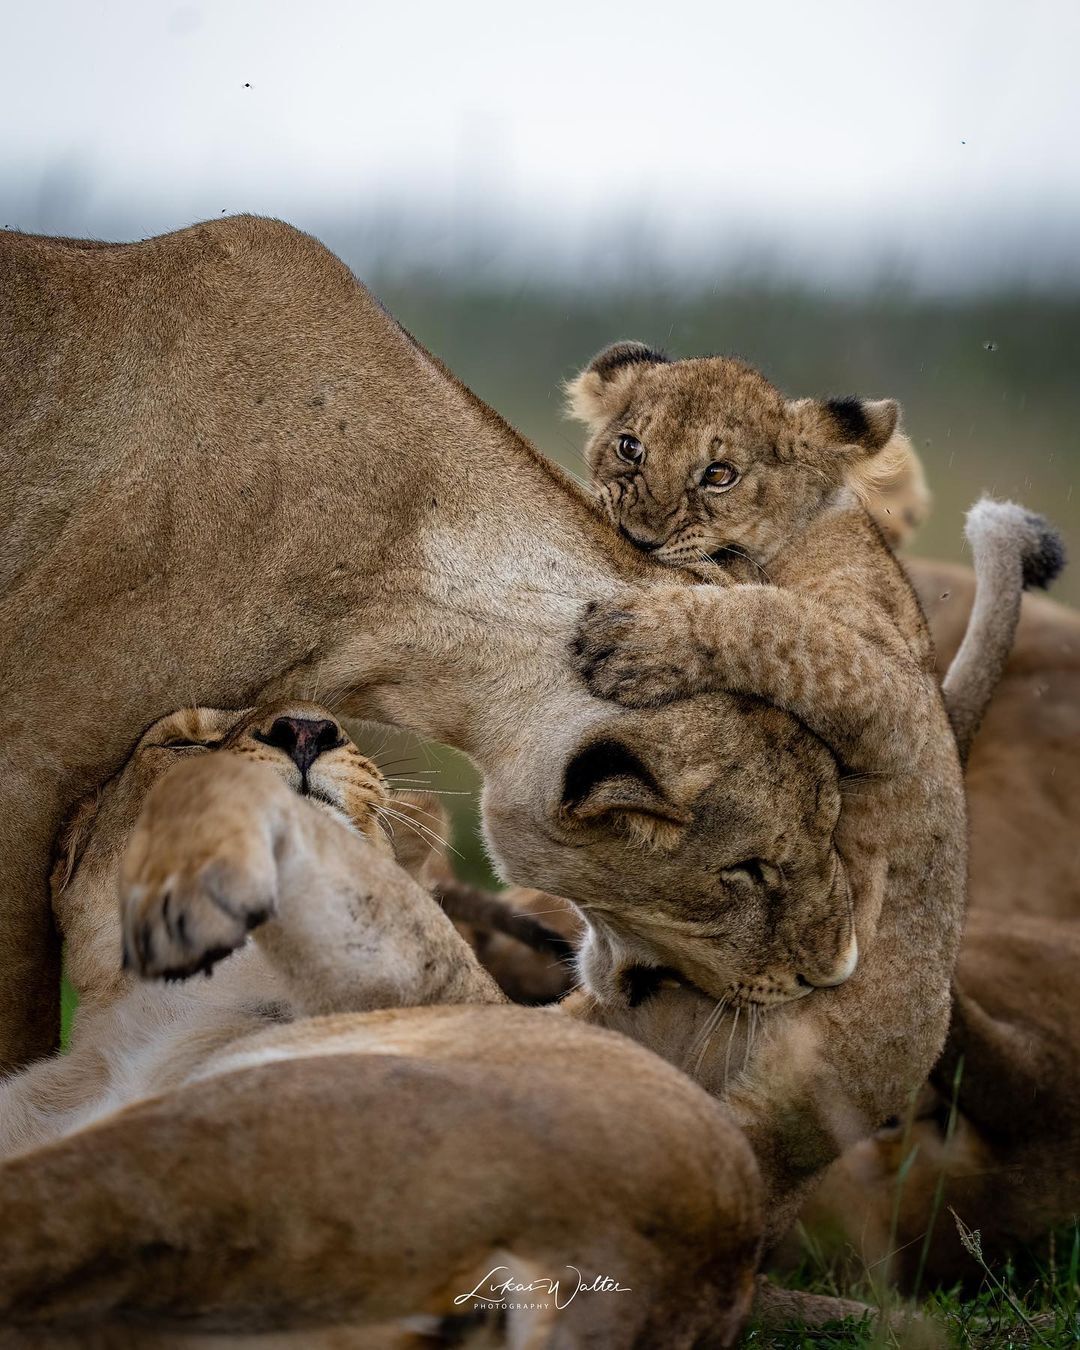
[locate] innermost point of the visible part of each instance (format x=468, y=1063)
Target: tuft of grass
x=1030, y=1303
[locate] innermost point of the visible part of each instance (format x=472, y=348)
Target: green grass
x=1033, y=1304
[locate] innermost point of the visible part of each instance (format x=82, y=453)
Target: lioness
x=1023, y=780
x=804, y=1077
x=229, y=476
x=264, y=1151
x=223, y=848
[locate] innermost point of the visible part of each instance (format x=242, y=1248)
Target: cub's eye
x=181, y=744
x=720, y=474
x=630, y=449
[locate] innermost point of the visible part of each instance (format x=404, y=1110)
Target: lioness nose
x=842, y=970
x=303, y=739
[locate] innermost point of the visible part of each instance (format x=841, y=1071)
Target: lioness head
x=704, y=460
x=301, y=742
x=733, y=806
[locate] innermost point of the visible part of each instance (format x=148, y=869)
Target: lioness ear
x=592, y=395
x=607, y=782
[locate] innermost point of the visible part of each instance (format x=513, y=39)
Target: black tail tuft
x=1044, y=559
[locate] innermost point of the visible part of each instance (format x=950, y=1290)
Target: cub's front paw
x=640, y=649
x=186, y=902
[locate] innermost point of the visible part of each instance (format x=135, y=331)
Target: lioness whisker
x=730, y=1040
x=418, y=828
x=702, y=1040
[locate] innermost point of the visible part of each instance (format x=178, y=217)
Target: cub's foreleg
x=857, y=691
x=223, y=848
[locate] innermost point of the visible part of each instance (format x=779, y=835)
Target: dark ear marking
x=867, y=423
x=622, y=354
x=602, y=760
x=588, y=393
x=851, y=421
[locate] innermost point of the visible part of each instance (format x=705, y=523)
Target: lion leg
x=354, y=932
x=223, y=849
x=288, y=1194
x=854, y=690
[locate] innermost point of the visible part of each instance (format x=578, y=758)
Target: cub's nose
x=303, y=739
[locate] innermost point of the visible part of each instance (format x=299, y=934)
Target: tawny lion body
x=229, y=475
x=303, y=1141
x=221, y=846
x=995, y=1134
x=703, y=461
x=1023, y=778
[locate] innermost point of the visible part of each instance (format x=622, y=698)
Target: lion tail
x=1013, y=549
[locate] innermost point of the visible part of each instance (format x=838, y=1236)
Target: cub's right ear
x=592, y=395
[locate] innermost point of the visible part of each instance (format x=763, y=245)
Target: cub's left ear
x=866, y=423
x=592, y=396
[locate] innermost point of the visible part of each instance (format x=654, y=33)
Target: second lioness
x=240, y=1155
x=705, y=461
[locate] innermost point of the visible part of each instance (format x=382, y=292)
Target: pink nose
x=303, y=739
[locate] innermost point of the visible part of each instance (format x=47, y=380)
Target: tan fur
x=892, y=486
x=1009, y=1159
x=212, y=1157
x=230, y=476
x=1012, y=548
x=1023, y=777
x=833, y=634
x=814, y=615
x=1006, y=1157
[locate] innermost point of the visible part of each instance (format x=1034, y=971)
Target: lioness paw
x=640, y=650
x=184, y=909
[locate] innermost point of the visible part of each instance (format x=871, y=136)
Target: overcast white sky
x=943, y=135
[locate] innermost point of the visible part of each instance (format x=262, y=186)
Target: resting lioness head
x=705, y=460
x=301, y=742
x=733, y=805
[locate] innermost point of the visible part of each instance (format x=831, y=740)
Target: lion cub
x=706, y=466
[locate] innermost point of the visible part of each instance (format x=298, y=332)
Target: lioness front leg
x=857, y=692
x=223, y=849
